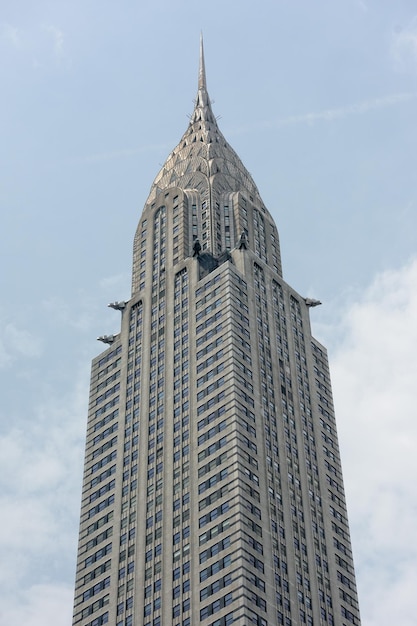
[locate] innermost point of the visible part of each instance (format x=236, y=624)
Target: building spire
x=202, y=84
x=203, y=153
x=202, y=109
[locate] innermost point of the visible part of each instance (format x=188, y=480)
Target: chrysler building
x=212, y=490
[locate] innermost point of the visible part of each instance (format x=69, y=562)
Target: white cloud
x=122, y=153
x=88, y=311
x=40, y=43
x=374, y=379
x=16, y=341
x=82, y=316
x=363, y=6
x=57, y=40
x=11, y=34
x=40, y=605
x=40, y=479
x=404, y=47
x=118, y=281
x=22, y=341
x=330, y=115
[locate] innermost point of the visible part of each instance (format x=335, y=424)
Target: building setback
x=212, y=489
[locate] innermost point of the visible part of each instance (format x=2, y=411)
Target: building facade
x=212, y=489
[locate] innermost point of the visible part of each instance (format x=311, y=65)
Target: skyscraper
x=212, y=488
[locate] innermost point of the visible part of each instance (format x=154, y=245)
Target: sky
x=319, y=99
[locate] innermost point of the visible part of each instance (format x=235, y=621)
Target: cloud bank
x=40, y=480
x=374, y=372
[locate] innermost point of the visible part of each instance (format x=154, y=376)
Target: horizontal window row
x=98, y=621
x=213, y=480
x=255, y=545
x=103, y=584
x=214, y=549
x=340, y=531
x=211, y=418
x=106, y=420
x=108, y=393
x=213, y=497
x=215, y=568
x=210, y=403
x=213, y=532
x=236, y=314
x=349, y=616
x=346, y=597
x=208, y=285
x=211, y=307
x=248, y=489
x=107, y=406
x=98, y=555
x=98, y=479
x=99, y=523
x=94, y=542
x=214, y=514
x=209, y=347
x=252, y=508
x=255, y=580
x=226, y=620
x=256, y=619
x=207, y=297
x=95, y=573
x=105, y=433
x=242, y=368
x=101, y=506
x=109, y=356
x=247, y=442
x=109, y=368
x=245, y=397
x=208, y=335
x=242, y=381
x=254, y=561
x=249, y=474
x=209, y=321
x=212, y=432
x=210, y=388
x=343, y=563
x=104, y=447
x=104, y=489
x=210, y=466
x=217, y=445
x=209, y=361
x=253, y=527
x=216, y=606
x=104, y=461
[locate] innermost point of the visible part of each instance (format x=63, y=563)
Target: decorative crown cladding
x=203, y=157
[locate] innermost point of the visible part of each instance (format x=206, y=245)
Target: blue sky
x=319, y=99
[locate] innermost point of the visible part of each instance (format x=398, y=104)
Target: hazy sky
x=319, y=99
